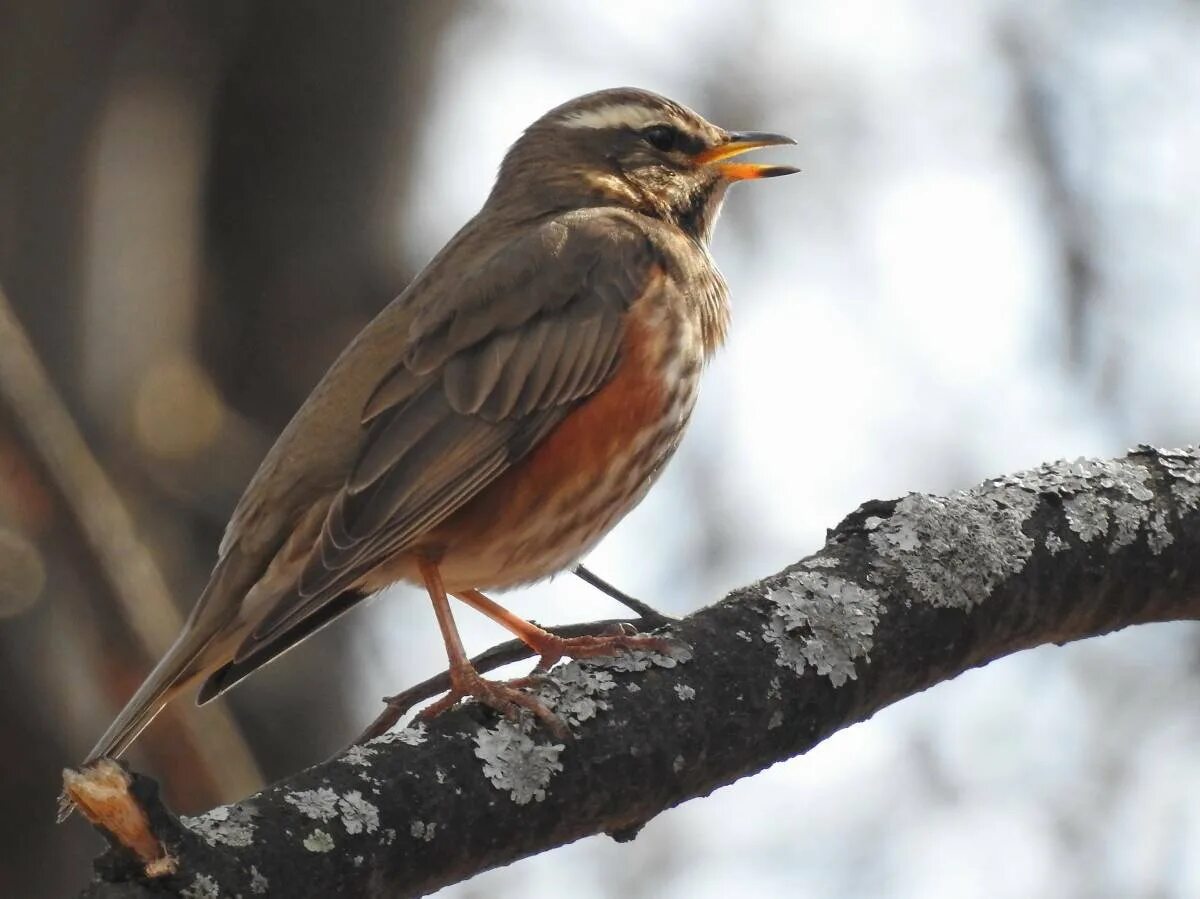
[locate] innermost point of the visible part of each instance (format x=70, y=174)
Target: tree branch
x=904, y=594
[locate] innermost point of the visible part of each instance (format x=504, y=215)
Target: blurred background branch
x=129, y=609
x=197, y=208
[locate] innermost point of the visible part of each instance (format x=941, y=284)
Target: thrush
x=496, y=419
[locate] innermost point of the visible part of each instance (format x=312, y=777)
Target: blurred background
x=992, y=259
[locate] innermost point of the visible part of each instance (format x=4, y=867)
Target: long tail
x=175, y=672
x=203, y=646
x=198, y=650
x=231, y=673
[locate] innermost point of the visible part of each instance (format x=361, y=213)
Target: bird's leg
x=550, y=647
x=504, y=697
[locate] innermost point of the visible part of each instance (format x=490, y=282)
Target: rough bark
x=904, y=594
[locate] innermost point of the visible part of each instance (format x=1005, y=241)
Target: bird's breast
x=546, y=511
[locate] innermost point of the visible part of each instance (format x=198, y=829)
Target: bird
x=498, y=417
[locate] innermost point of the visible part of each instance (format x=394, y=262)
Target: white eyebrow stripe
x=618, y=115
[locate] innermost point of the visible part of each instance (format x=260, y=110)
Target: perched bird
x=495, y=420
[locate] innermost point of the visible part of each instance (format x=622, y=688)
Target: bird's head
x=630, y=148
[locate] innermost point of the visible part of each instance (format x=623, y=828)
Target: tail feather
x=177, y=669
x=196, y=652
x=204, y=644
x=174, y=672
x=232, y=672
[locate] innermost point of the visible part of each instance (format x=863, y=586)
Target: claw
x=505, y=697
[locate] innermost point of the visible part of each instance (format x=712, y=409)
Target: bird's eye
x=661, y=137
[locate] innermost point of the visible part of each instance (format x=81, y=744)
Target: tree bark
x=904, y=594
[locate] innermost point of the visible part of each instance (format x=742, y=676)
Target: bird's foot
x=551, y=648
x=506, y=697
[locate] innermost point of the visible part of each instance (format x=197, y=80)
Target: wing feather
x=488, y=371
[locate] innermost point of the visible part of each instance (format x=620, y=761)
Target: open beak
x=739, y=142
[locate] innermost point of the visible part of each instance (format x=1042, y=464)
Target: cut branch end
x=101, y=791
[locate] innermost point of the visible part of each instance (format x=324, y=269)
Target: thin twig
x=636, y=605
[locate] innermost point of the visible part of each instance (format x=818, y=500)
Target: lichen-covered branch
x=904, y=594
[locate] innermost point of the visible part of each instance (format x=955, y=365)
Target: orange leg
x=549, y=647
x=465, y=681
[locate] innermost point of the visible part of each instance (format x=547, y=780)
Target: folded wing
x=491, y=366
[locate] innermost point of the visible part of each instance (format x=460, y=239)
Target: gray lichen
x=201, y=887
x=1183, y=465
x=323, y=804
x=225, y=825
x=318, y=841
x=512, y=761
x=358, y=815
x=774, y=688
x=821, y=561
x=1158, y=537
x=776, y=720
x=1087, y=515
x=1126, y=476
x=576, y=691
x=320, y=804
x=789, y=652
x=258, y=884
x=1110, y=499
x=641, y=660
x=1187, y=495
x=684, y=692
x=1127, y=521
x=358, y=755
x=413, y=735
x=954, y=550
x=422, y=830
x=823, y=621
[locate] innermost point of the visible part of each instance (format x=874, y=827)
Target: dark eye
x=661, y=137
